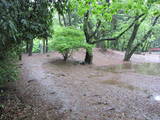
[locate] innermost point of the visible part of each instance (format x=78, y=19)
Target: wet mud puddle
x=152, y=69
x=103, y=92
x=144, y=68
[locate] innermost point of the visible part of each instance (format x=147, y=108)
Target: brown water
x=143, y=68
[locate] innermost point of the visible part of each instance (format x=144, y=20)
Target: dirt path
x=70, y=91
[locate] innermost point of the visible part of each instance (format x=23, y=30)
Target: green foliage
x=8, y=72
x=150, y=9
x=67, y=39
x=121, y=44
x=8, y=67
x=37, y=45
x=21, y=20
x=100, y=9
x=105, y=10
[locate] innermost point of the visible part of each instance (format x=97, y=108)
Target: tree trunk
x=27, y=46
x=130, y=42
x=59, y=18
x=144, y=47
x=65, y=56
x=64, y=20
x=30, y=48
x=130, y=51
x=40, y=47
x=127, y=56
x=46, y=45
x=88, y=57
x=20, y=56
x=69, y=18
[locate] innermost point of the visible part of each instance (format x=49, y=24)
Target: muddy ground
x=50, y=89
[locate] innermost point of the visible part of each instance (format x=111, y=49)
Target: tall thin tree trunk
x=30, y=48
x=89, y=54
x=64, y=20
x=27, y=46
x=46, y=45
x=59, y=18
x=69, y=18
x=130, y=42
x=144, y=47
x=19, y=53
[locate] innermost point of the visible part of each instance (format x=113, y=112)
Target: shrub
x=8, y=68
x=67, y=40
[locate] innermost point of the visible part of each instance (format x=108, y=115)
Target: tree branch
x=146, y=35
x=117, y=37
x=85, y=26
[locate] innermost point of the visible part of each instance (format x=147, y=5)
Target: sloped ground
x=53, y=90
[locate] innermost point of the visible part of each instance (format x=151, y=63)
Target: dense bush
x=8, y=67
x=20, y=21
x=68, y=39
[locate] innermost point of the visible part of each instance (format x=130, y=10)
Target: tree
x=137, y=8
x=91, y=8
x=20, y=22
x=63, y=8
x=68, y=39
x=144, y=12
x=41, y=27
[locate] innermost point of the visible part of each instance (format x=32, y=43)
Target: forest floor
x=110, y=89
